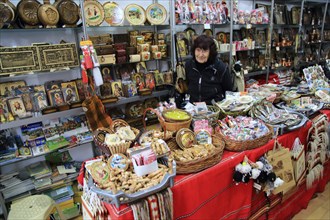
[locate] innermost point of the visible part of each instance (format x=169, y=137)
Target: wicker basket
x=233, y=145
x=195, y=166
x=212, y=118
x=99, y=136
x=167, y=126
x=121, y=123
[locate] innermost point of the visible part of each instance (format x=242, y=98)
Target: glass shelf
x=22, y=76
x=239, y=26
x=25, y=121
x=126, y=26
x=39, y=29
x=124, y=101
x=286, y=25
x=257, y=48
x=65, y=148
x=215, y=25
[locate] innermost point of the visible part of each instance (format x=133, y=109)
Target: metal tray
x=122, y=198
x=282, y=128
x=306, y=112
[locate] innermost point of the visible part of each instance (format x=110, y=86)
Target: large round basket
x=198, y=164
x=212, y=118
x=167, y=126
x=234, y=145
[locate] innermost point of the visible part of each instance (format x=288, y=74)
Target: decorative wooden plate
x=113, y=14
x=94, y=13
x=156, y=14
x=135, y=14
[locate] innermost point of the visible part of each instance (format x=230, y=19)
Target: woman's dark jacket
x=210, y=83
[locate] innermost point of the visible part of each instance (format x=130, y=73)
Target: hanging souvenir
x=94, y=13
x=156, y=14
x=113, y=14
x=135, y=14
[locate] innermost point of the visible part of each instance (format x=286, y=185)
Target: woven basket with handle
x=201, y=163
x=167, y=126
x=100, y=133
x=234, y=145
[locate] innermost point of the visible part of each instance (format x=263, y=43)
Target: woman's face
x=202, y=55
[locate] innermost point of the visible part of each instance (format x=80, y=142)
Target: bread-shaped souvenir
x=126, y=133
x=112, y=139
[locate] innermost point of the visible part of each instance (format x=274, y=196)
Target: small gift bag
x=298, y=160
x=280, y=159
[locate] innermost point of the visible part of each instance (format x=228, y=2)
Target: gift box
x=145, y=56
x=134, y=58
x=104, y=49
x=121, y=59
x=107, y=59
x=143, y=48
x=157, y=55
x=131, y=50
x=120, y=53
x=120, y=46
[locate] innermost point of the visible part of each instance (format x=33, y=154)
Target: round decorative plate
x=185, y=138
x=135, y=14
x=94, y=13
x=118, y=161
x=156, y=14
x=113, y=14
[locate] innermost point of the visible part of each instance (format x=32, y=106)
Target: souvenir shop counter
x=212, y=193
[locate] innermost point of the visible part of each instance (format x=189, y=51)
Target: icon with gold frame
x=17, y=107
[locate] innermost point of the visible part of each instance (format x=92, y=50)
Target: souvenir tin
x=203, y=137
x=185, y=138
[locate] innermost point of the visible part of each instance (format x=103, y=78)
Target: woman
x=207, y=76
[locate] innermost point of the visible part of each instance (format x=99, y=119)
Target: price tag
x=246, y=71
x=277, y=48
x=207, y=26
x=248, y=26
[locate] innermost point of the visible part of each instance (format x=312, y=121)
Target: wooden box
x=107, y=59
x=19, y=60
x=58, y=56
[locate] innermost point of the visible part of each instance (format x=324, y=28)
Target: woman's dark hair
x=206, y=43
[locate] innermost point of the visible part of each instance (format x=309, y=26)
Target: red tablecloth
x=212, y=193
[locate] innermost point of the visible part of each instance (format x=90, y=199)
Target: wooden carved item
x=18, y=60
x=7, y=12
x=48, y=14
x=28, y=12
x=69, y=12
x=58, y=56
